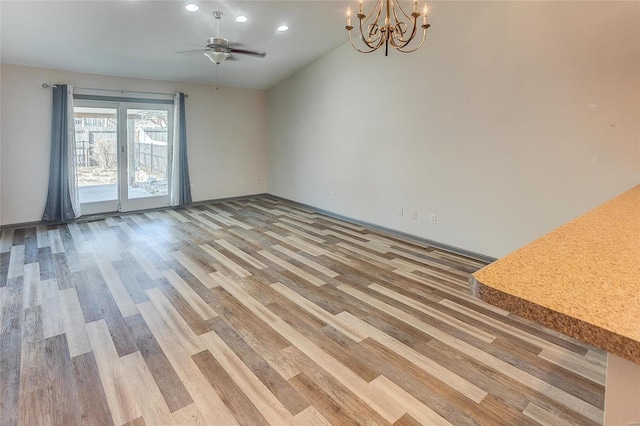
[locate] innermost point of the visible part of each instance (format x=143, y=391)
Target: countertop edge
x=611, y=342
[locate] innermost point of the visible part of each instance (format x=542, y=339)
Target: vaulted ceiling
x=144, y=39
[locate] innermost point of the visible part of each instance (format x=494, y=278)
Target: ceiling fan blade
x=248, y=52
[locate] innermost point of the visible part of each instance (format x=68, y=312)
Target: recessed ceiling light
x=241, y=19
x=192, y=7
x=282, y=28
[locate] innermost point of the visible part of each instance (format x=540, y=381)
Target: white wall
x=226, y=133
x=512, y=119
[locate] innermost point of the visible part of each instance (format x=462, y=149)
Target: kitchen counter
x=583, y=280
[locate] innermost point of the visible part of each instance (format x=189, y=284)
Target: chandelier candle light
x=376, y=31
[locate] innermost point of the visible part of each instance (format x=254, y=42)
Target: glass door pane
x=96, y=131
x=147, y=143
x=148, y=136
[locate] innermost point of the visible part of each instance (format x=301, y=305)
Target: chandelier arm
x=400, y=42
x=358, y=49
x=368, y=41
x=373, y=34
x=401, y=10
x=377, y=10
x=397, y=35
x=424, y=36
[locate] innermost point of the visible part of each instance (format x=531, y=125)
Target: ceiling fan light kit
x=217, y=57
x=388, y=25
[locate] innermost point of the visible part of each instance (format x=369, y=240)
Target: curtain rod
x=46, y=86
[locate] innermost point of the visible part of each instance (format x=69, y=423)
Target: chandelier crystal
x=388, y=25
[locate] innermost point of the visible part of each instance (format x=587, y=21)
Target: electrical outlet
x=414, y=214
x=332, y=195
x=434, y=219
x=242, y=182
x=400, y=211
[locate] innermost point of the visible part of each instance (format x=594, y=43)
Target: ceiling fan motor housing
x=218, y=44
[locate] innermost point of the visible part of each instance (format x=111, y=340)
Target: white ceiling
x=142, y=39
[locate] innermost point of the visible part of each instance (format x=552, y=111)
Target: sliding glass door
x=123, y=154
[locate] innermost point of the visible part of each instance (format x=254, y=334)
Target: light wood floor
x=259, y=312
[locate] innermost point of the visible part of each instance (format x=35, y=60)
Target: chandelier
x=376, y=30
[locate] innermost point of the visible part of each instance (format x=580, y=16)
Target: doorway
x=123, y=152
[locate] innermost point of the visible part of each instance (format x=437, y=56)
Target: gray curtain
x=181, y=187
x=63, y=199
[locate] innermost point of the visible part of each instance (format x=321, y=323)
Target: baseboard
x=394, y=232
x=102, y=216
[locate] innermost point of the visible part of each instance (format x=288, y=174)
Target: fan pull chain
x=217, y=77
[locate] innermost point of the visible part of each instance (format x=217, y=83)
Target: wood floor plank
x=236, y=290
x=345, y=376
x=342, y=326
x=452, y=291
x=128, y=277
x=74, y=325
x=4, y=268
x=190, y=317
x=238, y=402
x=409, y=404
x=52, y=317
x=56, y=241
x=241, y=254
x=334, y=400
x=30, y=245
x=145, y=391
x=189, y=416
x=180, y=329
x=62, y=270
x=447, y=319
x=10, y=343
x=16, y=262
x=226, y=262
x=120, y=395
x=571, y=401
x=118, y=289
x=94, y=409
x=199, y=270
x=259, y=395
x=6, y=240
x=292, y=268
x=460, y=384
x=293, y=255
x=577, y=364
x=205, y=398
x=311, y=417
x=167, y=380
x=152, y=271
x=543, y=417
x=32, y=361
x=31, y=294
x=195, y=301
x=62, y=391
x=267, y=375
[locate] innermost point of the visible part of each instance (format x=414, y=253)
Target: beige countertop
x=582, y=279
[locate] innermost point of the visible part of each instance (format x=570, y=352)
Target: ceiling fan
x=219, y=49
